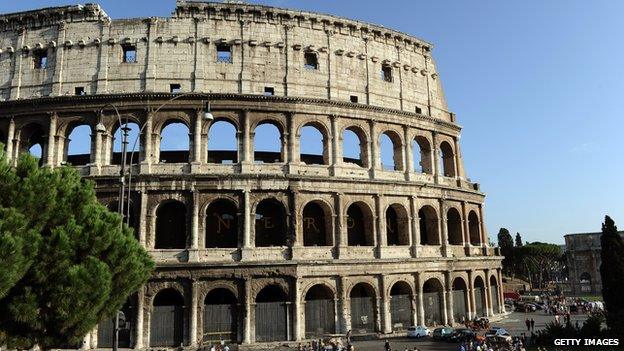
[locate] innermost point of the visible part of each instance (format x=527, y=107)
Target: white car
x=418, y=332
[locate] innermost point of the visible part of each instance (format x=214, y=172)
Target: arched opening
x=167, y=319
x=428, y=220
x=271, y=229
x=78, y=145
x=447, y=159
x=401, y=311
x=397, y=225
x=585, y=281
x=354, y=148
x=421, y=152
x=126, y=334
x=479, y=292
x=433, y=301
x=132, y=129
x=174, y=143
x=363, y=307
x=267, y=143
x=3, y=139
x=272, y=314
x=320, y=315
x=453, y=226
x=171, y=226
x=494, y=294
x=129, y=211
x=222, y=224
x=222, y=142
x=359, y=225
x=220, y=318
x=34, y=141
x=474, y=229
x=313, y=145
x=460, y=300
x=391, y=151
x=316, y=225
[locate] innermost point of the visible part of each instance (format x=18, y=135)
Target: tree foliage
x=540, y=261
x=611, y=272
x=66, y=262
x=518, y=240
x=505, y=242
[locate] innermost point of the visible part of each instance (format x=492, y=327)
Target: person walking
x=527, y=322
x=532, y=324
x=387, y=345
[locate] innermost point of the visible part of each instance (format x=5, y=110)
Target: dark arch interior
x=358, y=226
x=401, y=288
x=432, y=285
x=222, y=224
x=362, y=290
x=171, y=226
x=319, y=292
x=396, y=225
x=272, y=293
x=315, y=224
x=479, y=283
x=168, y=297
x=585, y=277
x=271, y=224
x=453, y=225
x=473, y=228
x=493, y=281
x=222, y=142
x=132, y=215
x=220, y=296
x=459, y=284
x=428, y=221
x=448, y=159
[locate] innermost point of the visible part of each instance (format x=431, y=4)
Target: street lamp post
x=122, y=174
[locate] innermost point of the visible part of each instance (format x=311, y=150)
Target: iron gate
x=105, y=334
x=220, y=322
x=401, y=311
x=494, y=296
x=271, y=321
x=479, y=302
x=167, y=323
x=362, y=314
x=433, y=305
x=459, y=305
x=319, y=318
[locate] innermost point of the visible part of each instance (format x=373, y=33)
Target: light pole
x=122, y=173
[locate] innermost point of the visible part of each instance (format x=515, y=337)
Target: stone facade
x=375, y=249
x=582, y=252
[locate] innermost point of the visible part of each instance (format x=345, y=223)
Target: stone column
x=382, y=238
x=341, y=227
x=421, y=303
x=471, y=294
x=246, y=154
x=409, y=154
x=148, y=156
x=465, y=225
x=143, y=217
x=345, y=318
x=96, y=149
x=195, y=221
x=298, y=321
x=194, y=314
x=140, y=318
x=336, y=138
x=484, y=238
x=374, y=159
x=459, y=169
x=501, y=297
x=415, y=223
x=293, y=154
x=448, y=285
x=246, y=220
x=50, y=154
x=445, y=316
x=444, y=229
x=247, y=318
x=197, y=144
x=385, y=307
x=11, y=141
x=488, y=294
x=436, y=158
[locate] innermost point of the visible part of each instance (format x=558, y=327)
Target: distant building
x=582, y=252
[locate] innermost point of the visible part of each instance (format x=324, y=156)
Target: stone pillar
x=459, y=169
x=448, y=286
x=385, y=307
x=298, y=321
x=488, y=294
x=341, y=227
x=444, y=229
x=51, y=136
x=471, y=294
x=96, y=149
x=435, y=163
x=143, y=217
x=247, y=317
x=415, y=223
x=484, y=237
x=57, y=80
x=197, y=144
x=336, y=143
x=345, y=317
x=246, y=154
x=293, y=150
x=246, y=220
x=195, y=221
x=140, y=318
x=380, y=225
x=374, y=159
x=465, y=225
x=409, y=154
x=421, y=303
x=10, y=146
x=501, y=297
x=445, y=316
x=194, y=314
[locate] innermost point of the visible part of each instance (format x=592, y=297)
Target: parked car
x=442, y=333
x=418, y=331
x=498, y=334
x=525, y=307
x=462, y=335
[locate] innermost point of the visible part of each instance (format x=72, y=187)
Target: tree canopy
x=611, y=272
x=66, y=262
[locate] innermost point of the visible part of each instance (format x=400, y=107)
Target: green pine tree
x=611, y=272
x=518, y=240
x=65, y=261
x=505, y=242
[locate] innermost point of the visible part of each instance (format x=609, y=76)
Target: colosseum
x=258, y=246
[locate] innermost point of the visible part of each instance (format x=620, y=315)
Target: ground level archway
x=320, y=314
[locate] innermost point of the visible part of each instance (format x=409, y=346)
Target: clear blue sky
x=537, y=85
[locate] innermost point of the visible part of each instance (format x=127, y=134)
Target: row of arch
x=175, y=142
x=321, y=311
x=223, y=223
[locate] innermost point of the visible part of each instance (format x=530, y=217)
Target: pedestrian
x=226, y=348
x=527, y=322
x=532, y=324
x=387, y=345
x=576, y=324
